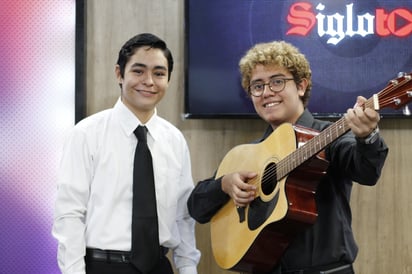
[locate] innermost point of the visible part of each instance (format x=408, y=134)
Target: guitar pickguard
x=259, y=211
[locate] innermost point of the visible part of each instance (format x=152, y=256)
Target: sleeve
x=186, y=256
x=357, y=161
x=206, y=199
x=71, y=203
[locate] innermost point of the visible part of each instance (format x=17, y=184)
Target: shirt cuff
x=188, y=270
x=77, y=268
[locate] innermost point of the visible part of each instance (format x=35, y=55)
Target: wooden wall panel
x=381, y=215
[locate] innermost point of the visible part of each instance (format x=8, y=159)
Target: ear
x=118, y=74
x=302, y=86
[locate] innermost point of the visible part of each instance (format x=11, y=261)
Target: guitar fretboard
x=311, y=147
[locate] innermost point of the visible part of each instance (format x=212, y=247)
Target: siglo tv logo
x=303, y=18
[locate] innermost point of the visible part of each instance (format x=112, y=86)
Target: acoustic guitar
x=289, y=164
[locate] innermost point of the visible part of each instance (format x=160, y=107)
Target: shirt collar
x=306, y=119
x=129, y=121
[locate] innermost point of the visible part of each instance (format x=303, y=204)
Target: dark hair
x=141, y=40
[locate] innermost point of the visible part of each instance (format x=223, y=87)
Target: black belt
x=341, y=269
x=114, y=256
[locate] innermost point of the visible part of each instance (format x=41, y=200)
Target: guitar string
x=305, y=152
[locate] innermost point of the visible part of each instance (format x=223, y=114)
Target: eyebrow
x=145, y=66
x=272, y=76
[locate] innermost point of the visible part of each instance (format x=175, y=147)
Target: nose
x=148, y=80
x=267, y=88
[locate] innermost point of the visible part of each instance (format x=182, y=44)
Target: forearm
x=185, y=255
x=206, y=199
x=371, y=162
x=359, y=162
x=71, y=245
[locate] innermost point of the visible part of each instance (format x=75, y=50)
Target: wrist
x=371, y=138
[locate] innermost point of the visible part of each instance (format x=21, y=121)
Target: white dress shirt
x=94, y=199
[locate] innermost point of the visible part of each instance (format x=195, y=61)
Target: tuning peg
x=404, y=74
x=406, y=111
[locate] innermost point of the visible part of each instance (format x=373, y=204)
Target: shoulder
x=94, y=120
x=91, y=127
x=166, y=128
x=320, y=124
x=309, y=121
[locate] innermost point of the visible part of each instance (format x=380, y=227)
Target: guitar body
x=252, y=239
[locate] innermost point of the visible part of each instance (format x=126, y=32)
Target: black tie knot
x=141, y=133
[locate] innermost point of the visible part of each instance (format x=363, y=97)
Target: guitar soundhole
x=269, y=180
x=259, y=210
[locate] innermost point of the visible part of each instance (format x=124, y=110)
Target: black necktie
x=145, y=235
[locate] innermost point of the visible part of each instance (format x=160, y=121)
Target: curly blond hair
x=279, y=53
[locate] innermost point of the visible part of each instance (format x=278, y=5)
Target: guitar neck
x=395, y=95
x=316, y=144
x=312, y=147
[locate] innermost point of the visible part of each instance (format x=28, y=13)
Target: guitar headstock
x=397, y=93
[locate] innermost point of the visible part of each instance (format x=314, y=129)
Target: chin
x=274, y=120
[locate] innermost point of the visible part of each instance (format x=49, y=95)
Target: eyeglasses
x=275, y=85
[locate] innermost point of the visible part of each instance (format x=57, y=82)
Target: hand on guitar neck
x=362, y=120
x=237, y=187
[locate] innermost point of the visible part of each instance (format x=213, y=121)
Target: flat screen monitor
x=354, y=48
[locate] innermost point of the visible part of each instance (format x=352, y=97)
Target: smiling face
x=274, y=61
x=145, y=81
x=281, y=107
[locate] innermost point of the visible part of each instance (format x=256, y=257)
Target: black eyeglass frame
x=270, y=85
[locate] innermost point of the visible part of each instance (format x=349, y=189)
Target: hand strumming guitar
x=236, y=186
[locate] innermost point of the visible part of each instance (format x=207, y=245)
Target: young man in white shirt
x=93, y=212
